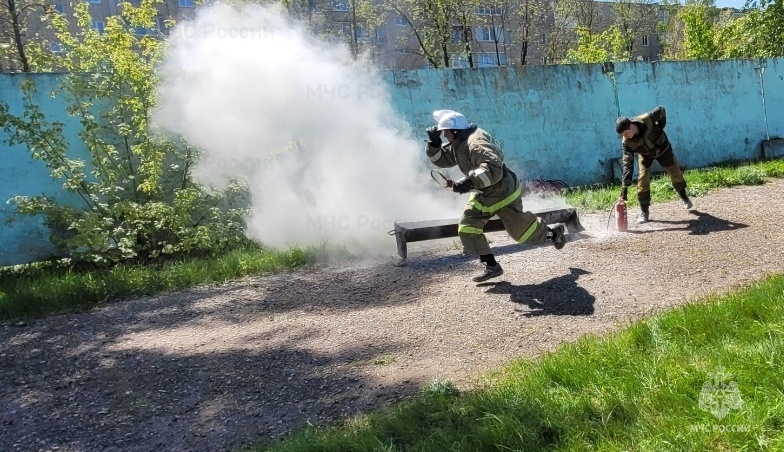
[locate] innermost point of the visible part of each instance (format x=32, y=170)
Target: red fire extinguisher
x=620, y=216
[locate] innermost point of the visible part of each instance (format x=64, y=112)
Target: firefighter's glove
x=434, y=135
x=624, y=192
x=464, y=185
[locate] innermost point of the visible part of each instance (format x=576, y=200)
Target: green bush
x=138, y=199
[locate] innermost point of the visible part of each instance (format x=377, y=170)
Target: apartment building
x=494, y=37
x=524, y=32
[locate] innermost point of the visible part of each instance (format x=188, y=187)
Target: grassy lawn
x=40, y=289
x=700, y=182
x=637, y=390
x=46, y=288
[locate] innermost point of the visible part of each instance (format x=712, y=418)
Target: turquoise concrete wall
x=715, y=110
x=552, y=121
x=774, y=95
x=555, y=122
x=23, y=238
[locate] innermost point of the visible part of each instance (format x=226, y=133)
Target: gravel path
x=217, y=367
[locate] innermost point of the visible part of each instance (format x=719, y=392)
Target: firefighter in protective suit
x=495, y=189
x=644, y=135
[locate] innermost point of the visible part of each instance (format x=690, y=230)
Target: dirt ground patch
x=216, y=367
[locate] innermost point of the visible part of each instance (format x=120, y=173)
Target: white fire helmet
x=450, y=120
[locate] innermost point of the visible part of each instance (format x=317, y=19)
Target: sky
x=730, y=3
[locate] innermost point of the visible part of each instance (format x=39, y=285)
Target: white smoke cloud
x=312, y=129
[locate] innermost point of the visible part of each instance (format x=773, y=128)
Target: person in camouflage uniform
x=644, y=135
x=495, y=189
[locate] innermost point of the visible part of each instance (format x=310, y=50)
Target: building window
x=185, y=3
x=404, y=51
x=55, y=8
x=339, y=5
x=362, y=34
x=489, y=34
x=160, y=23
x=143, y=31
x=664, y=15
x=543, y=60
x=646, y=59
x=56, y=47
x=99, y=26
x=645, y=40
x=458, y=34
x=379, y=35
x=490, y=59
x=483, y=34
x=345, y=29
x=489, y=11
x=401, y=21
x=458, y=60
x=95, y=2
x=543, y=38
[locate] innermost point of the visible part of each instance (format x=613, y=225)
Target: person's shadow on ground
x=702, y=225
x=557, y=296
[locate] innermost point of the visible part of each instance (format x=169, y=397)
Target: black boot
x=491, y=271
x=492, y=268
x=557, y=236
x=644, y=214
x=685, y=198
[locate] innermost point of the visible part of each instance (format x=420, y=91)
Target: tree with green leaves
x=635, y=18
x=608, y=45
x=433, y=25
x=138, y=200
x=569, y=16
x=528, y=19
x=352, y=21
x=17, y=27
x=496, y=16
x=761, y=31
x=463, y=35
x=700, y=31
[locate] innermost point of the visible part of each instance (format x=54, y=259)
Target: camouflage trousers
x=669, y=164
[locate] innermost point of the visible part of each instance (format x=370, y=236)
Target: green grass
x=44, y=288
x=638, y=389
x=40, y=289
x=700, y=183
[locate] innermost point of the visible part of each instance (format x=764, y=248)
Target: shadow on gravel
x=702, y=225
x=196, y=386
x=707, y=223
x=513, y=248
x=128, y=400
x=558, y=296
x=346, y=290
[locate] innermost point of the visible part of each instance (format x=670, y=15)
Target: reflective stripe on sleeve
x=482, y=175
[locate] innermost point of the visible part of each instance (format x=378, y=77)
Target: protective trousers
x=669, y=164
x=524, y=227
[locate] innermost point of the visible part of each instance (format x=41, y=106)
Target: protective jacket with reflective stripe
x=478, y=156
